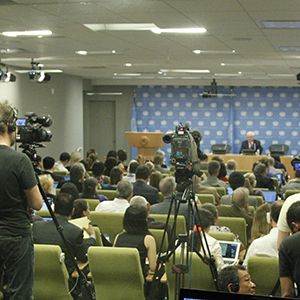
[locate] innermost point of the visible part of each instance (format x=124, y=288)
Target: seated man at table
x=251, y=143
x=212, y=180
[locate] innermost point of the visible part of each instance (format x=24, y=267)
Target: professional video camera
x=295, y=162
x=31, y=131
x=183, y=153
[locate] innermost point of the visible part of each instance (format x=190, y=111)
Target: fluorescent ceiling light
x=27, y=33
x=214, y=52
x=286, y=48
x=227, y=75
x=184, y=71
x=279, y=24
x=106, y=94
x=281, y=75
x=83, y=52
x=121, y=26
x=179, y=30
x=128, y=74
x=46, y=71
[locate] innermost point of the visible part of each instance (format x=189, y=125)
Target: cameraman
x=18, y=190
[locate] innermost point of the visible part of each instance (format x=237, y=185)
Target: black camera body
x=31, y=130
x=295, y=162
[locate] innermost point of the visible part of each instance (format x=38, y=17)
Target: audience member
x=119, y=204
x=97, y=170
x=111, y=153
x=203, y=161
x=293, y=184
x=71, y=189
x=235, y=279
x=158, y=161
x=262, y=181
x=155, y=179
x=48, y=163
x=239, y=209
x=280, y=165
x=252, y=180
x=230, y=166
x=109, y=164
x=266, y=161
x=75, y=158
x=236, y=180
x=150, y=165
x=116, y=175
x=90, y=186
x=60, y=165
x=223, y=172
x=76, y=176
x=289, y=258
x=122, y=157
x=212, y=180
x=141, y=188
x=81, y=209
x=38, y=168
x=251, y=143
x=131, y=170
x=261, y=226
x=92, y=158
x=266, y=245
x=47, y=184
x=272, y=168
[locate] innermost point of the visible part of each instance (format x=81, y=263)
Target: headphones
x=235, y=286
x=11, y=126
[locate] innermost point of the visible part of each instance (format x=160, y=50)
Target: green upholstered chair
x=161, y=197
x=264, y=273
x=260, y=200
x=50, y=274
x=206, y=198
x=221, y=191
x=222, y=236
x=92, y=203
x=44, y=213
x=116, y=272
x=290, y=192
x=111, y=195
x=61, y=173
x=276, y=184
x=158, y=235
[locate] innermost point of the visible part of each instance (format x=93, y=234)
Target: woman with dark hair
x=109, y=164
x=137, y=235
x=90, y=186
x=70, y=188
x=155, y=179
x=81, y=209
x=116, y=175
x=92, y=158
x=122, y=157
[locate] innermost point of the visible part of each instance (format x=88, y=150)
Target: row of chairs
x=117, y=272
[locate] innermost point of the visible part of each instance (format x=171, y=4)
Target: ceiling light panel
x=279, y=24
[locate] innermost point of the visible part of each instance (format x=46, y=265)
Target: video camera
x=183, y=153
x=31, y=131
x=295, y=162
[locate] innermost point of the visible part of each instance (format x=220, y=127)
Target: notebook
x=230, y=251
x=270, y=196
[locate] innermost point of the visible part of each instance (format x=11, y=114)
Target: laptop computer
x=270, y=196
x=279, y=176
x=229, y=190
x=230, y=252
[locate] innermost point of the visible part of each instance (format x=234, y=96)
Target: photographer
x=18, y=190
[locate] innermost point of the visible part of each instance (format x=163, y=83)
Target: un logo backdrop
x=271, y=112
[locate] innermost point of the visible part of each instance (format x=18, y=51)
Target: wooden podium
x=147, y=143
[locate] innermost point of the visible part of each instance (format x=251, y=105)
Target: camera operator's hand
x=90, y=230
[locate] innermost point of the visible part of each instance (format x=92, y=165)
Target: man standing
x=251, y=143
x=18, y=190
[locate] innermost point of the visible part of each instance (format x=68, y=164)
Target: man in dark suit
x=46, y=233
x=48, y=163
x=262, y=181
x=251, y=143
x=141, y=188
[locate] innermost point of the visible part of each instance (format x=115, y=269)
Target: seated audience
x=122, y=157
x=235, y=279
x=212, y=180
x=262, y=181
x=155, y=179
x=252, y=184
x=266, y=161
x=261, y=226
x=236, y=180
x=230, y=166
x=222, y=172
x=92, y=158
x=119, y=204
x=266, y=245
x=38, y=167
x=109, y=164
x=116, y=175
x=97, y=169
x=141, y=188
x=158, y=162
x=47, y=184
x=48, y=163
x=60, y=165
x=203, y=161
x=90, y=186
x=81, y=209
x=75, y=158
x=293, y=184
x=131, y=170
x=71, y=189
x=280, y=165
x=150, y=165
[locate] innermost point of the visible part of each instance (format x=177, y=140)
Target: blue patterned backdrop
x=271, y=112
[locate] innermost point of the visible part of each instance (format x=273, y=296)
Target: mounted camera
x=183, y=154
x=295, y=162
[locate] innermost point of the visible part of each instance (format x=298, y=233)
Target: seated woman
x=47, y=184
x=250, y=183
x=155, y=179
x=137, y=235
x=98, y=169
x=90, y=186
x=81, y=209
x=116, y=175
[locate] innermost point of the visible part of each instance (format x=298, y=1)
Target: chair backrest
x=206, y=198
x=279, y=149
x=92, y=203
x=260, y=200
x=98, y=236
x=290, y=192
x=158, y=235
x=237, y=226
x=276, y=184
x=220, y=148
x=252, y=211
x=222, y=236
x=50, y=275
x=44, y=213
x=180, y=223
x=116, y=272
x=221, y=191
x=109, y=223
x=161, y=197
x=61, y=173
x=111, y=195
x=201, y=277
x=264, y=273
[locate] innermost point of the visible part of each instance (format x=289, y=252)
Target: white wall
x=61, y=98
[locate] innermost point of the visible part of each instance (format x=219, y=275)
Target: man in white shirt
x=267, y=245
x=119, y=204
x=63, y=160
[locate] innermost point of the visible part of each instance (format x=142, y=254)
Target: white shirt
x=264, y=246
x=129, y=177
x=59, y=166
x=282, y=224
x=115, y=206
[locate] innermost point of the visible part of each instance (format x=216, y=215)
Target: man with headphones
x=18, y=191
x=235, y=279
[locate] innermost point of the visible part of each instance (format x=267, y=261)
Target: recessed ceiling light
x=121, y=26
x=222, y=64
x=197, y=51
x=46, y=71
x=184, y=71
x=278, y=24
x=128, y=64
x=27, y=33
x=81, y=52
x=214, y=52
x=179, y=30
x=128, y=74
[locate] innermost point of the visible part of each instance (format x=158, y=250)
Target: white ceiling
x=231, y=25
